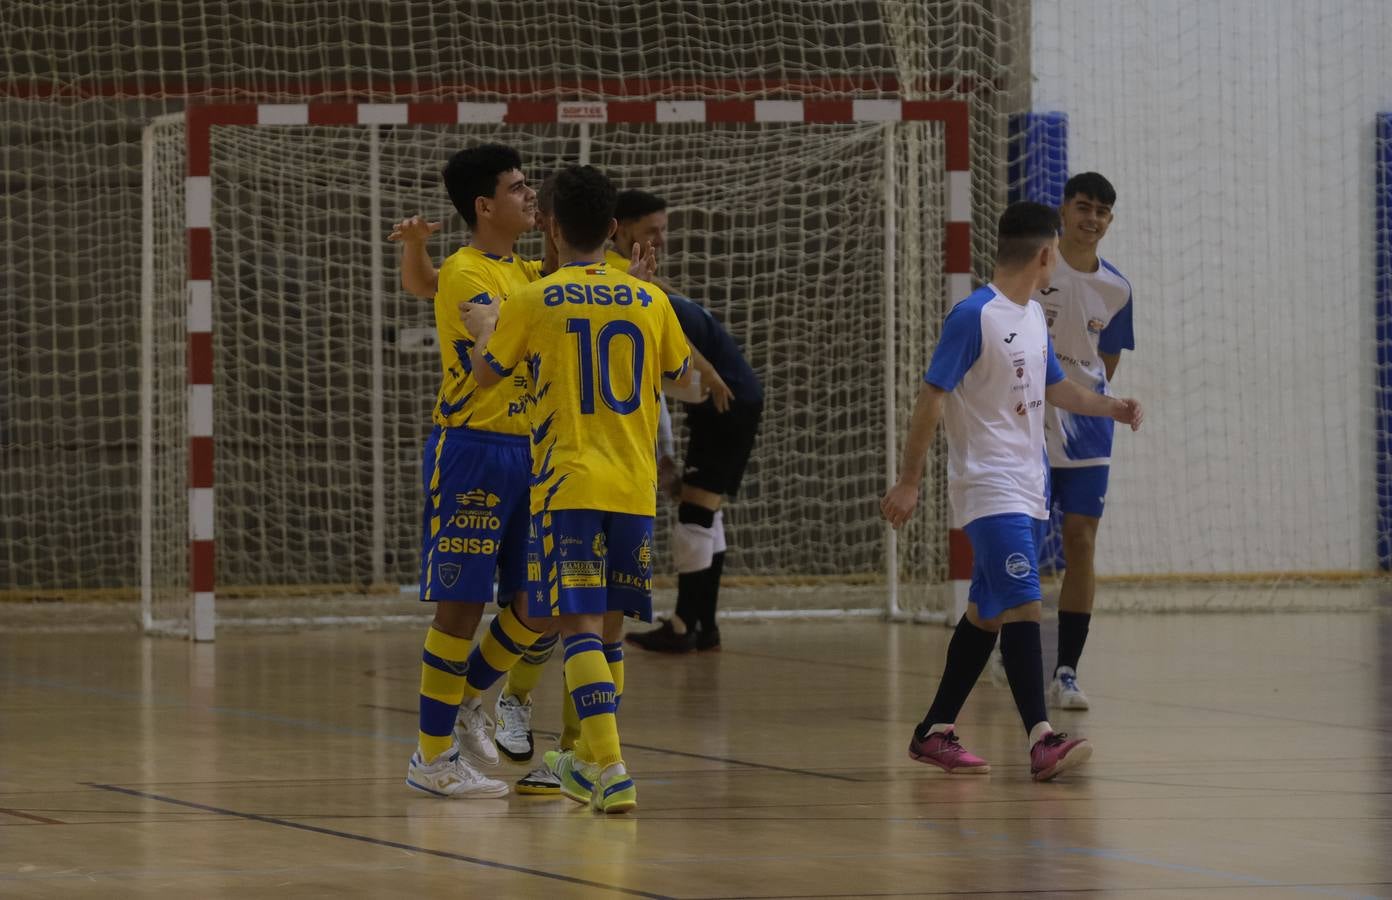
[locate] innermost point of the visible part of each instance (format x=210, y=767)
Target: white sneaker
x=451, y=776
x=472, y=734
x=1064, y=692
x=995, y=669
x=514, y=732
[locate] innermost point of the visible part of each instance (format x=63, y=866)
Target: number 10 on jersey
x=600, y=347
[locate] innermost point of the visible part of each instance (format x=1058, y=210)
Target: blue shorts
x=589, y=561
x=474, y=526
x=1080, y=491
x=1005, y=569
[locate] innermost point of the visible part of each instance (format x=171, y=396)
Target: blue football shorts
x=474, y=525
x=1080, y=491
x=1005, y=562
x=590, y=561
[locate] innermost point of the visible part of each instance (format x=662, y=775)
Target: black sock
x=690, y=587
x=1024, y=666
x=711, y=591
x=967, y=653
x=1073, y=632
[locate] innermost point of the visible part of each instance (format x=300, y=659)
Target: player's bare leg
x=1075, y=608
x=459, y=620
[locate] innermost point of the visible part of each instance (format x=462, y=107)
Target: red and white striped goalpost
x=201, y=120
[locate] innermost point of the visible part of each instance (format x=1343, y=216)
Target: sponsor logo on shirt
x=1011, y=338
x=599, y=545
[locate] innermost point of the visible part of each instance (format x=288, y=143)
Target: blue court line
x=379, y=842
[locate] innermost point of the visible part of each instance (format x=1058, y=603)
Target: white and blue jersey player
x=990, y=376
x=1089, y=310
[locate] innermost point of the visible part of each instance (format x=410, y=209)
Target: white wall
x=1239, y=136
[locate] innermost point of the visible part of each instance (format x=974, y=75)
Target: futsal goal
x=287, y=381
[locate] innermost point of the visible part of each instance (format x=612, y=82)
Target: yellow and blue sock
x=524, y=676
x=501, y=646
x=441, y=690
x=570, y=720
x=570, y=732
x=613, y=655
x=592, y=687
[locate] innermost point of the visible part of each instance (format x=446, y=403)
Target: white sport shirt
x=1088, y=313
x=995, y=359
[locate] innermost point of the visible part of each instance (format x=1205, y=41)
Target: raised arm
x=418, y=273
x=1074, y=398
x=899, y=503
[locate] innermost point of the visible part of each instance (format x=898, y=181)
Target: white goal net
x=797, y=236
x=311, y=500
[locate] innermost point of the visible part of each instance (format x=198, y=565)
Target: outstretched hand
x=897, y=505
x=1129, y=412
x=642, y=261
x=413, y=230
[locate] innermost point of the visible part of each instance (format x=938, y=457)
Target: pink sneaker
x=1056, y=753
x=947, y=753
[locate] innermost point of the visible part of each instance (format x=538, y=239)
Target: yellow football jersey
x=597, y=343
x=614, y=261
x=470, y=273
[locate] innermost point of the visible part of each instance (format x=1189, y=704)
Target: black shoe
x=664, y=639
x=708, y=640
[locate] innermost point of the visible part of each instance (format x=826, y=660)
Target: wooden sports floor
x=1237, y=755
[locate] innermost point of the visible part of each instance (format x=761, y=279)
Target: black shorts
x=718, y=445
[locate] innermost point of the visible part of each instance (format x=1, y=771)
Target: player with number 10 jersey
x=596, y=343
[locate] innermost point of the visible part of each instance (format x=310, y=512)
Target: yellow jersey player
x=595, y=343
x=475, y=473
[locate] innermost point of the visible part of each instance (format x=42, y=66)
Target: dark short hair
x=1090, y=184
x=1024, y=228
x=635, y=204
x=584, y=206
x=474, y=172
x=546, y=194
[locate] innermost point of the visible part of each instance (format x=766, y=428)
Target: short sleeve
x=1118, y=336
x=509, y=341
x=453, y=288
x=958, y=348
x=674, y=354
x=1053, y=372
